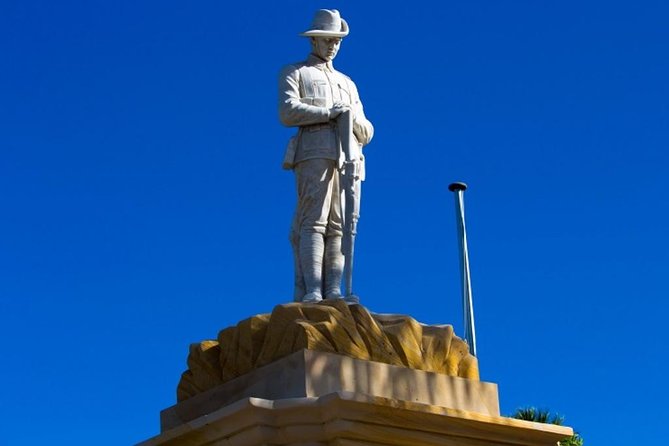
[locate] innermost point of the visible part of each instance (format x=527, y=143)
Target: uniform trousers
x=317, y=229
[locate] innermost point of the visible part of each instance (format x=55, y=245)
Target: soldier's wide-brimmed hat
x=327, y=23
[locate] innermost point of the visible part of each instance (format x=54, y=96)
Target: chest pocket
x=320, y=89
x=315, y=91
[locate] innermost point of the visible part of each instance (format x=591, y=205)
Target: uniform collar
x=317, y=62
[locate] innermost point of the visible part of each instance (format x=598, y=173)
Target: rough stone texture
x=329, y=326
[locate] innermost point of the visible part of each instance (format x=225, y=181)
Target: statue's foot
x=312, y=298
x=352, y=299
x=334, y=296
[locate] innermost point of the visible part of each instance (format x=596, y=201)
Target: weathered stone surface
x=329, y=326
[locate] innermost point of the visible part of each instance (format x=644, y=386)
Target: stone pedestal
x=316, y=398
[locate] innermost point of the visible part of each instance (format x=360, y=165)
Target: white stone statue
x=320, y=101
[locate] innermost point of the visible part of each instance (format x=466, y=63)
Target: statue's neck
x=321, y=60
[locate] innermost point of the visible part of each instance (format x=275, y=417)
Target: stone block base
x=350, y=419
x=308, y=373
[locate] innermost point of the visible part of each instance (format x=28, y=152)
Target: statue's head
x=326, y=31
x=325, y=47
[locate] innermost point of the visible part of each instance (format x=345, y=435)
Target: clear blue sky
x=143, y=207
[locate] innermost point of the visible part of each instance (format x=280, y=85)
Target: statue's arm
x=362, y=128
x=293, y=111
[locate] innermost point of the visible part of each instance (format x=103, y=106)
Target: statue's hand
x=338, y=108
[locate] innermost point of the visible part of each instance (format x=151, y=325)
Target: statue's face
x=326, y=47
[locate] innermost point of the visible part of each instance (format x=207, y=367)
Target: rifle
x=350, y=189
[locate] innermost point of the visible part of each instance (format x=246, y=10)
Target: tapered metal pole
x=467, y=303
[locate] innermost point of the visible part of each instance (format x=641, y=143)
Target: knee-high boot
x=299, y=289
x=311, y=261
x=334, y=267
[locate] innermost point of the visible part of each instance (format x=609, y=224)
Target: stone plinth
x=310, y=373
x=350, y=419
x=337, y=375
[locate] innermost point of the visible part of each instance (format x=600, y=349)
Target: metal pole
x=467, y=302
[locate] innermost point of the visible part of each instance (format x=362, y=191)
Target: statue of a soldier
x=326, y=155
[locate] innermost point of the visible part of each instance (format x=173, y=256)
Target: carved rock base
x=330, y=326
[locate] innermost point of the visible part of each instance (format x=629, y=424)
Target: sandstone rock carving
x=329, y=326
